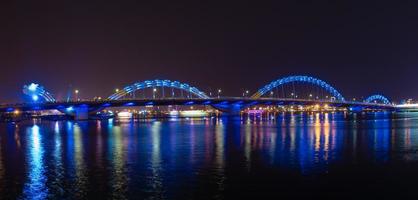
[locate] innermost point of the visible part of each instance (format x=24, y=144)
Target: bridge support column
x=230, y=109
x=81, y=113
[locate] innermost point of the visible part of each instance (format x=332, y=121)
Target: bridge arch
x=303, y=79
x=36, y=91
x=377, y=97
x=157, y=83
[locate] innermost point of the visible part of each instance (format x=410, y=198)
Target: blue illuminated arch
x=377, y=97
x=36, y=91
x=157, y=83
x=304, y=79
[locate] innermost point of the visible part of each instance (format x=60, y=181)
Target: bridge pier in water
x=229, y=109
x=81, y=113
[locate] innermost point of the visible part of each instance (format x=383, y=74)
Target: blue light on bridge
x=106, y=105
x=239, y=103
x=252, y=103
x=35, y=97
x=294, y=79
x=377, y=97
x=69, y=109
x=130, y=104
x=32, y=87
x=37, y=108
x=36, y=92
x=157, y=83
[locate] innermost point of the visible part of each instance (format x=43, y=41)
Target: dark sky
x=358, y=47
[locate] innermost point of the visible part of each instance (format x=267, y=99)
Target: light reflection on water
x=183, y=158
x=155, y=180
x=35, y=187
x=119, y=177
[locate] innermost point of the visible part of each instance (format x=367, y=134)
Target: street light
x=245, y=93
x=219, y=92
x=117, y=90
x=153, y=92
x=76, y=94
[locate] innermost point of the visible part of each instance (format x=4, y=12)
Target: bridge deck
x=246, y=101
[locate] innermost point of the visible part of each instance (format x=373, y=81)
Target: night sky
x=360, y=48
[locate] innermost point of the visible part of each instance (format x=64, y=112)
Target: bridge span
x=230, y=105
x=290, y=90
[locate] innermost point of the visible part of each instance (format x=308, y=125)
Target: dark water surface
x=303, y=155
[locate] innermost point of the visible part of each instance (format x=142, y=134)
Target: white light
x=33, y=86
x=35, y=97
x=407, y=106
x=193, y=113
x=174, y=113
x=125, y=115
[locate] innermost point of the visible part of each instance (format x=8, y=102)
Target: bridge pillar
x=229, y=109
x=81, y=113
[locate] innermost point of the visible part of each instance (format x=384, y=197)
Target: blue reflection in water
x=247, y=144
x=155, y=179
x=99, y=145
x=81, y=178
x=119, y=178
x=380, y=139
x=58, y=168
x=220, y=156
x=185, y=158
x=35, y=187
x=308, y=142
x=75, y=156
